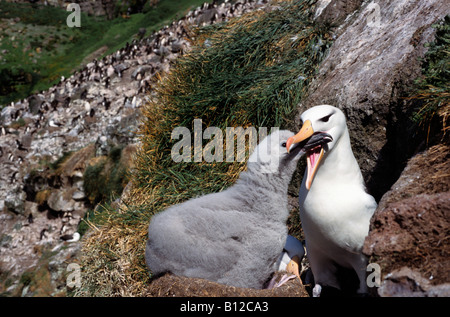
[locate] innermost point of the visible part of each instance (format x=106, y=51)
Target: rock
x=371, y=62
x=412, y=222
x=35, y=103
x=206, y=17
x=74, y=166
x=130, y=93
x=120, y=68
x=406, y=282
x=78, y=195
x=141, y=70
x=161, y=51
x=15, y=200
x=61, y=200
x=335, y=11
x=6, y=115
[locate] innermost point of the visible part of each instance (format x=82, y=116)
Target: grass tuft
x=433, y=87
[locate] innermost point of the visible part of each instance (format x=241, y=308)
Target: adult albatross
x=236, y=236
x=335, y=208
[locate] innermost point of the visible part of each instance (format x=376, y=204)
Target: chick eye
x=283, y=144
x=326, y=118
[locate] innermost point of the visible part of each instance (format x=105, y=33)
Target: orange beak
x=305, y=132
x=314, y=157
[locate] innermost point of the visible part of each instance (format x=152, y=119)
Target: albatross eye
x=326, y=118
x=283, y=144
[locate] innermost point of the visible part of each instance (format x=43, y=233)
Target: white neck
x=340, y=164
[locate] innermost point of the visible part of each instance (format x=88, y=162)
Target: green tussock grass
x=251, y=71
x=432, y=89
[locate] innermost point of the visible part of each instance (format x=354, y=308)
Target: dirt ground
x=170, y=285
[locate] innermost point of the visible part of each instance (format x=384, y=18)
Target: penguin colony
x=97, y=104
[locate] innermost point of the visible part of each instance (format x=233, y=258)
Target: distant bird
x=13, y=177
x=55, y=124
x=71, y=237
x=335, y=209
x=66, y=102
x=87, y=106
x=43, y=234
x=63, y=230
x=106, y=103
x=236, y=236
x=20, y=146
x=107, y=82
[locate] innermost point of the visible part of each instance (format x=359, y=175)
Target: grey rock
x=78, y=195
x=406, y=282
x=141, y=70
x=35, y=103
x=60, y=200
x=121, y=67
x=15, y=201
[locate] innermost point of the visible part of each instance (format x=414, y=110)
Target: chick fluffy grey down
x=233, y=237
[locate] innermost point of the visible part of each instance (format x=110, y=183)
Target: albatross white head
x=321, y=119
